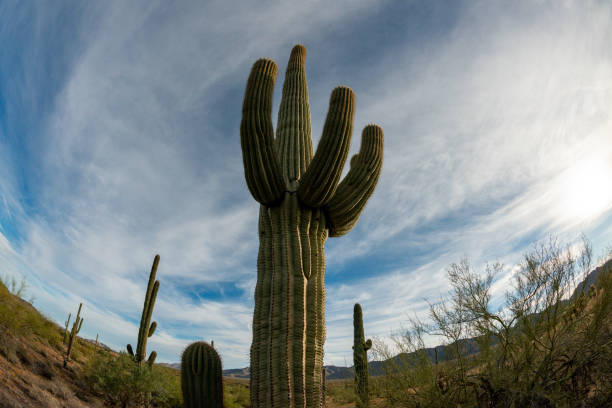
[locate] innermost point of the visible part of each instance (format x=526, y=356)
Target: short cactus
x=147, y=330
x=76, y=328
x=301, y=205
x=360, y=359
x=201, y=376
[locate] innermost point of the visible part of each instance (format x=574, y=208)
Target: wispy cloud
x=130, y=147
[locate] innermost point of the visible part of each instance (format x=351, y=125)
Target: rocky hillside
x=31, y=360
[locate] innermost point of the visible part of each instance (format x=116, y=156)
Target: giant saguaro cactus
x=301, y=205
x=147, y=330
x=201, y=376
x=360, y=359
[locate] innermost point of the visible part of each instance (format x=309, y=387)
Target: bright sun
x=588, y=188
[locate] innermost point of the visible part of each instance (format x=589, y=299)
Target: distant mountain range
x=340, y=373
x=376, y=367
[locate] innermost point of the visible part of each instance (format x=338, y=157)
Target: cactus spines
x=76, y=328
x=201, y=376
x=146, y=327
x=360, y=359
x=301, y=205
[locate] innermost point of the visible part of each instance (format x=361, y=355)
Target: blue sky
x=119, y=139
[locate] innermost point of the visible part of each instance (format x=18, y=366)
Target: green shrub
x=236, y=394
x=121, y=382
x=542, y=348
x=19, y=318
x=340, y=391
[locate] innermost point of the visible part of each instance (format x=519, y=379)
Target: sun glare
x=587, y=189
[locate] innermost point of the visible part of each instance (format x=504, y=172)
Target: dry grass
x=31, y=356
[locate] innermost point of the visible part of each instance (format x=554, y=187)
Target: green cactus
x=201, y=376
x=301, y=205
x=66, y=328
x=360, y=359
x=76, y=328
x=323, y=387
x=147, y=330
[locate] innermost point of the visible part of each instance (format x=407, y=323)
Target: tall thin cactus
x=360, y=359
x=201, y=376
x=76, y=328
x=301, y=205
x=146, y=327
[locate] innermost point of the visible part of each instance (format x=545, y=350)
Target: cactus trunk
x=360, y=360
x=301, y=205
x=323, y=388
x=289, y=325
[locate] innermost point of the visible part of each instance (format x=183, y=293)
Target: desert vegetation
x=32, y=374
x=548, y=343
x=540, y=348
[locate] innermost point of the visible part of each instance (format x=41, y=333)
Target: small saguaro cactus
x=360, y=359
x=201, y=376
x=76, y=328
x=66, y=328
x=146, y=327
x=301, y=205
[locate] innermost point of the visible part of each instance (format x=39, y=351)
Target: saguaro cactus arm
x=152, y=358
x=152, y=329
x=261, y=165
x=66, y=327
x=320, y=181
x=345, y=207
x=293, y=132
